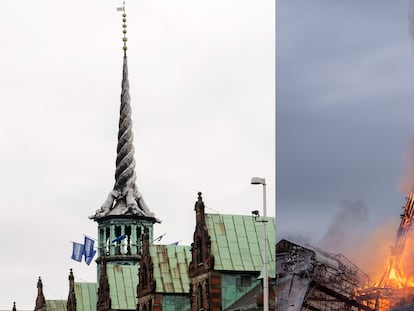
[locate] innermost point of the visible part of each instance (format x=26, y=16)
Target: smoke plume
x=345, y=230
x=347, y=235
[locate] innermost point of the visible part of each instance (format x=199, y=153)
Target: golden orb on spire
x=124, y=25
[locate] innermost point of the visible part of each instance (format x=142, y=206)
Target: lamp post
x=262, y=181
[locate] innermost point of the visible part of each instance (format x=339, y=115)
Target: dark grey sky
x=345, y=111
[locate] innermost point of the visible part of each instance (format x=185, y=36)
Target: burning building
x=312, y=279
x=396, y=278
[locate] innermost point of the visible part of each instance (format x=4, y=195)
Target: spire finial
x=124, y=26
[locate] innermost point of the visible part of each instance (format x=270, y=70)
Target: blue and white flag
x=89, y=251
x=89, y=259
x=88, y=246
x=78, y=250
x=119, y=238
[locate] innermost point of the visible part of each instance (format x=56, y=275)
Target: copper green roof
x=86, y=296
x=123, y=280
x=237, y=242
x=56, y=305
x=171, y=268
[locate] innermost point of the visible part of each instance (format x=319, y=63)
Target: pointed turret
x=40, y=299
x=202, y=259
x=146, y=284
x=71, y=303
x=104, y=299
x=201, y=267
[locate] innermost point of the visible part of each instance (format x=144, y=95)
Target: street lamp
x=262, y=181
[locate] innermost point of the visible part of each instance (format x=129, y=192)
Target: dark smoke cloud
x=344, y=231
x=346, y=234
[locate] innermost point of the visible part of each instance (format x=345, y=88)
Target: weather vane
x=124, y=25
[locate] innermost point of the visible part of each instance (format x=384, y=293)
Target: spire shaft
x=125, y=162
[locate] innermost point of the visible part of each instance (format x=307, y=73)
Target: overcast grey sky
x=202, y=83
x=345, y=107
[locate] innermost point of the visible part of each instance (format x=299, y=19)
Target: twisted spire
x=124, y=199
x=125, y=162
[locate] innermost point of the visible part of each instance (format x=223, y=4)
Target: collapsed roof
x=311, y=279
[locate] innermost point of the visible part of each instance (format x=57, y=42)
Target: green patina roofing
x=170, y=272
x=123, y=280
x=86, y=296
x=56, y=305
x=237, y=242
x=171, y=268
